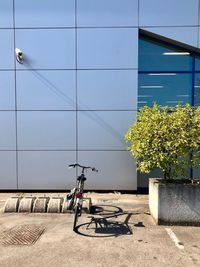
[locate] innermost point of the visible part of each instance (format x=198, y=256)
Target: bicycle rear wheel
x=76, y=214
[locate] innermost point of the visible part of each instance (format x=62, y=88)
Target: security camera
x=19, y=55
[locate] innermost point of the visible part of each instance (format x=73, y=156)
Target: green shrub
x=165, y=138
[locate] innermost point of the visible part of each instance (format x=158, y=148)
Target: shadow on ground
x=107, y=221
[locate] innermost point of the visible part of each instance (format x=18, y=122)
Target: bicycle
x=75, y=197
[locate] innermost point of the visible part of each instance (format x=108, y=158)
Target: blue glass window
x=197, y=90
x=197, y=63
x=167, y=74
x=165, y=90
x=157, y=56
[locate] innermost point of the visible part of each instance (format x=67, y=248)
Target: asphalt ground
x=120, y=232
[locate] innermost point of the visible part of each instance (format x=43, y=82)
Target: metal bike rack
x=42, y=205
x=12, y=204
x=54, y=205
x=26, y=204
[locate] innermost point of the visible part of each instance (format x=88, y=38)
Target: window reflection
x=158, y=56
x=197, y=63
x=197, y=90
x=196, y=173
x=164, y=90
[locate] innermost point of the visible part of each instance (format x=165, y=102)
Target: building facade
x=85, y=72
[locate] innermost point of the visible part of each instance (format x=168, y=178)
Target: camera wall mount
x=19, y=55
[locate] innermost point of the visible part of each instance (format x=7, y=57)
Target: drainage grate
x=22, y=235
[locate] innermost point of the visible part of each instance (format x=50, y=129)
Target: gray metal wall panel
x=117, y=170
x=110, y=42
x=101, y=13
x=46, y=90
x=8, y=170
x=168, y=13
x=107, y=48
x=6, y=13
x=46, y=48
x=51, y=13
x=46, y=130
x=107, y=89
x=7, y=49
x=103, y=130
x=46, y=169
x=7, y=90
x=7, y=130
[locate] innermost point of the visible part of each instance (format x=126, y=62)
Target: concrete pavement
x=122, y=233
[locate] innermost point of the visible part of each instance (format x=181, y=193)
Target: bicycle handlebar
x=83, y=167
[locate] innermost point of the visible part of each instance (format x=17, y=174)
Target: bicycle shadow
x=105, y=222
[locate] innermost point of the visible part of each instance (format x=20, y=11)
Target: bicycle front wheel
x=76, y=214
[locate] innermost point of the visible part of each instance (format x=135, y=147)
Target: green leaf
x=164, y=138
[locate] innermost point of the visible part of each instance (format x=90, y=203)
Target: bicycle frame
x=79, y=190
x=76, y=202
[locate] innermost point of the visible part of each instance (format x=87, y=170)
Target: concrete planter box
x=174, y=203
